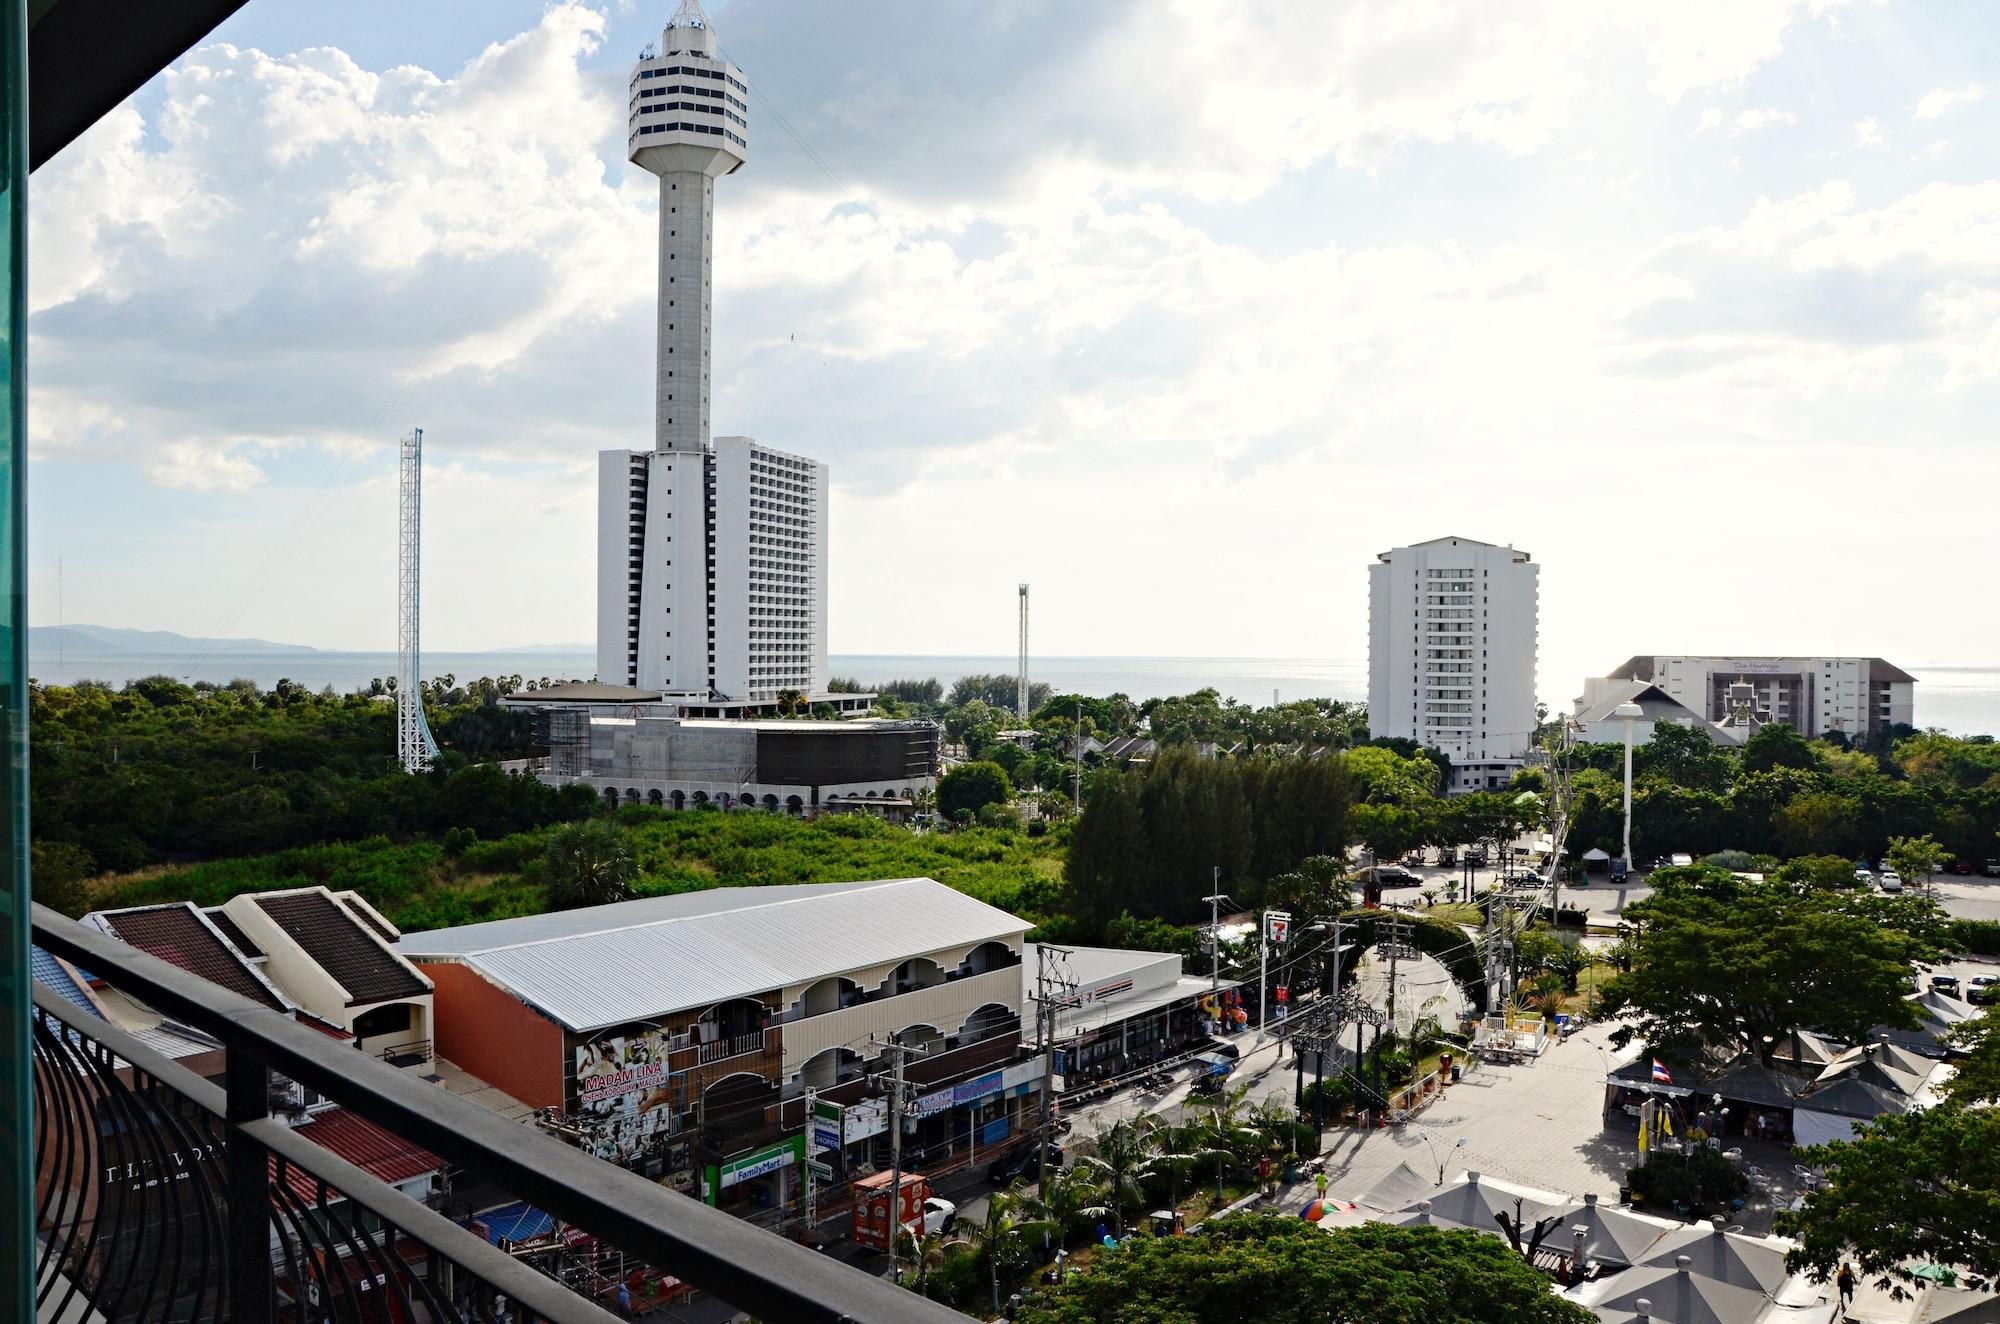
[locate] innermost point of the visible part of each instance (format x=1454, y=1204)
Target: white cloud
x=1710, y=119
x=1868, y=133
x=1762, y=117
x=1939, y=100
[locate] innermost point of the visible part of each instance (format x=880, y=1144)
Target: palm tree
x=923, y=1250
x=588, y=864
x=791, y=703
x=1003, y=1235
x=1570, y=963
x=1120, y=1152
x=1178, y=1151
x=1073, y=1195
x=1223, y=1131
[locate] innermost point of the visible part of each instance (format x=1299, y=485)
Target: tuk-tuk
x=1211, y=1072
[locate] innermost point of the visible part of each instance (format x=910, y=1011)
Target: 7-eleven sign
x=1277, y=926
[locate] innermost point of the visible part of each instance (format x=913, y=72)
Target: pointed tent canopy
x=1401, y=1189
x=1678, y=1295
x=1476, y=1202
x=1614, y=1234
x=1746, y=1262
x=1951, y=1305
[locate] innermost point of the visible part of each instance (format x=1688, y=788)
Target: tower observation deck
x=688, y=123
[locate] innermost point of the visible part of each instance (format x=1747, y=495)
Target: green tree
x=60, y=871
x=1779, y=745
x=1722, y=961
x=1920, y=1187
x=1003, y=1238
x=1977, y=1080
x=1818, y=822
x=1117, y=1161
x=1257, y=1267
x=1916, y=858
x=973, y=786
x=1825, y=873
x=1684, y=756
x=588, y=864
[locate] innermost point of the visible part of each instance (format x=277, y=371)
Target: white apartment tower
x=1451, y=654
x=711, y=556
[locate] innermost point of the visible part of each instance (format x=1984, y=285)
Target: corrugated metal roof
x=54, y=976
x=633, y=960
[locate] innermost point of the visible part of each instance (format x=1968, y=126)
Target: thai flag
x=1661, y=1076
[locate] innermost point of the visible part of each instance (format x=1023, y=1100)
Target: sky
x=1181, y=312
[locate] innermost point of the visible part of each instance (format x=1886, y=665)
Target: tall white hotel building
x=711, y=552
x=1451, y=654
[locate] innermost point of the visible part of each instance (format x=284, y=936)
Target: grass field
x=419, y=887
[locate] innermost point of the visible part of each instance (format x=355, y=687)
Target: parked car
x=1415, y=859
x=1864, y=877
x=1993, y=868
x=1946, y=984
x=1891, y=881
x=940, y=1215
x=1984, y=990
x=1395, y=875
x=1475, y=856
x=1960, y=867
x=1620, y=869
x=1447, y=858
x=1022, y=1161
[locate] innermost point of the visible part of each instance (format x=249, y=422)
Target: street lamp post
x=1628, y=713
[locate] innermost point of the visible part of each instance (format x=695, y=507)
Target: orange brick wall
x=494, y=1035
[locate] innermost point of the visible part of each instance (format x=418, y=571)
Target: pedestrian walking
x=1845, y=1280
x=624, y=1301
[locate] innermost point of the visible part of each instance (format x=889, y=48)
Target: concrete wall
x=494, y=1035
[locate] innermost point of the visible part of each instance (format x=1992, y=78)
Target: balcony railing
x=732, y=1046
x=165, y=1196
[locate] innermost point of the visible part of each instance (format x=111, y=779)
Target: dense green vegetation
x=1785, y=796
x=420, y=884
x=162, y=771
x=1715, y=959
x=1257, y=1267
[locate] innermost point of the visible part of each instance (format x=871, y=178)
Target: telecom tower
x=711, y=552
x=415, y=747
x=1021, y=685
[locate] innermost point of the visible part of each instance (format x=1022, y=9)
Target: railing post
x=247, y=1086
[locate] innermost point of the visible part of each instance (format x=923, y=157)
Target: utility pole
x=1283, y=924
x=1077, y=751
x=1046, y=1010
x=896, y=1053
x=812, y=1099
x=1215, y=900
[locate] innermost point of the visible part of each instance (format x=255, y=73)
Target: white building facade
x=711, y=553
x=1451, y=654
x=1852, y=696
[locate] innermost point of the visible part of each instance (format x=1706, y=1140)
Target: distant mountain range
x=110, y=639
x=86, y=640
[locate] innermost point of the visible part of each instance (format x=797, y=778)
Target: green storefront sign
x=717, y=1178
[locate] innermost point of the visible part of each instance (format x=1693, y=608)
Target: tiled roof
x=179, y=935
x=383, y=1156
x=364, y=912
x=330, y=935
x=232, y=931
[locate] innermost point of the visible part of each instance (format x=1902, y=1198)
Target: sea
x=1964, y=700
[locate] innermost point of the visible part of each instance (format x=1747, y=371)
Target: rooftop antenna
x=415, y=747
x=1021, y=683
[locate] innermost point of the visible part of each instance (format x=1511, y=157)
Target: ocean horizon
x=1963, y=699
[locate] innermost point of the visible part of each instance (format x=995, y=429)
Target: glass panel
x=16, y=1114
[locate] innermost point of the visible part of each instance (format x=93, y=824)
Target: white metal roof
x=634, y=960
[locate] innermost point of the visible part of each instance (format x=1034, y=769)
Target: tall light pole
x=1628, y=713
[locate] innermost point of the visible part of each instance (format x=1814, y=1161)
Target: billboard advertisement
x=625, y=1096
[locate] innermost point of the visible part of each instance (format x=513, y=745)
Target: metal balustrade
x=162, y=1195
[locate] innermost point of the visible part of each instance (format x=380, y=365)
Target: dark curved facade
x=831, y=754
